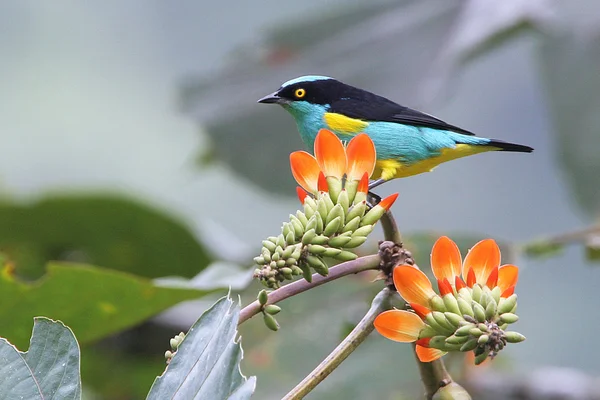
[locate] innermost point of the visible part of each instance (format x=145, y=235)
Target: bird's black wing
x=377, y=108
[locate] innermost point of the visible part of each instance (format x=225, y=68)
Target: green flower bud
x=346, y=256
x=287, y=252
x=364, y=230
x=262, y=297
x=290, y=238
x=464, y=307
x=469, y=345
x=432, y=322
x=272, y=309
x=297, y=253
x=483, y=339
x=438, y=304
x=442, y=321
x=316, y=249
x=479, y=358
x=355, y=242
x=287, y=228
x=485, y=298
x=296, y=270
x=308, y=210
x=318, y=265
x=297, y=226
x=464, y=330
x=506, y=304
x=454, y=319
x=168, y=354
x=457, y=339
x=438, y=342
x=322, y=206
x=509, y=318
x=476, y=293
x=302, y=218
x=320, y=239
x=310, y=202
x=312, y=225
x=270, y=322
x=372, y=216
x=465, y=294
x=269, y=245
x=451, y=304
x=513, y=337
x=352, y=225
x=280, y=264
x=478, y=311
x=287, y=272
x=332, y=227
x=338, y=241
x=320, y=223
x=174, y=344
x=310, y=234
x=475, y=332
x=344, y=201
x=331, y=252
x=266, y=255
x=336, y=211
x=306, y=273
x=357, y=210
x=496, y=292
x=490, y=309
x=259, y=260
x=275, y=256
x=427, y=331
x=483, y=327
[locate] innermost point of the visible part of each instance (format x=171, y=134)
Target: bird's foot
x=373, y=199
x=375, y=183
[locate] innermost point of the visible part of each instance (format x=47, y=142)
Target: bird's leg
x=373, y=199
x=375, y=183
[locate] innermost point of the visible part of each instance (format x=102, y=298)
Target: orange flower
x=356, y=162
x=445, y=313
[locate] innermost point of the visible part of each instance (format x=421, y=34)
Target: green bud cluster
x=472, y=319
x=174, y=343
x=268, y=310
x=330, y=226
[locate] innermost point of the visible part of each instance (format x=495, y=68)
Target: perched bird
x=408, y=142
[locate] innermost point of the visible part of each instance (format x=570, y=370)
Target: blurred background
x=131, y=140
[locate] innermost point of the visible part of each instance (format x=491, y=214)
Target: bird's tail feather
x=506, y=146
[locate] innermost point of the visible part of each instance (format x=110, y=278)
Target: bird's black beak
x=271, y=98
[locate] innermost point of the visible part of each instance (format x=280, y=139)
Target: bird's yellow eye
x=300, y=93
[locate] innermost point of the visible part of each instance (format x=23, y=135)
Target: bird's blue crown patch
x=306, y=78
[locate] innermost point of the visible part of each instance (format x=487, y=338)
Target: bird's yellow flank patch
x=391, y=169
x=342, y=124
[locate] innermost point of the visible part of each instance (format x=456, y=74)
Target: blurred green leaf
x=94, y=302
x=543, y=249
x=48, y=370
x=102, y=230
x=206, y=364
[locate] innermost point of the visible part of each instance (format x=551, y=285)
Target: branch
x=344, y=349
x=390, y=228
x=346, y=268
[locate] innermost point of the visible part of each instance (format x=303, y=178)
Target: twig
x=390, y=228
x=346, y=268
x=344, y=349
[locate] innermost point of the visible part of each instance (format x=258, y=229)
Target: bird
x=408, y=142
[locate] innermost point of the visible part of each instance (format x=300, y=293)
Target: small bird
x=408, y=142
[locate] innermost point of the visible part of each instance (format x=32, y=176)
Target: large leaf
x=94, y=302
x=102, y=230
x=49, y=370
x=206, y=364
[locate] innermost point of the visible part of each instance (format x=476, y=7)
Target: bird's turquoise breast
x=405, y=143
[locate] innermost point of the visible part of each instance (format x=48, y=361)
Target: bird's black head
x=313, y=89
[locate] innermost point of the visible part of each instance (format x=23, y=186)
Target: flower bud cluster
x=331, y=224
x=470, y=319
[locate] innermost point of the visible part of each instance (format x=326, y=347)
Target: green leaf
x=94, y=302
x=49, y=370
x=102, y=230
x=207, y=362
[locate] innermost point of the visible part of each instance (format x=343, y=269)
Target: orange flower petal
x=388, y=201
x=413, y=285
x=508, y=275
x=399, y=325
x=301, y=194
x=446, y=261
x=427, y=354
x=444, y=287
x=363, y=185
x=471, y=279
x=508, y=292
x=305, y=170
x=459, y=283
x=492, y=280
x=361, y=157
x=420, y=310
x=330, y=154
x=322, y=183
x=482, y=258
